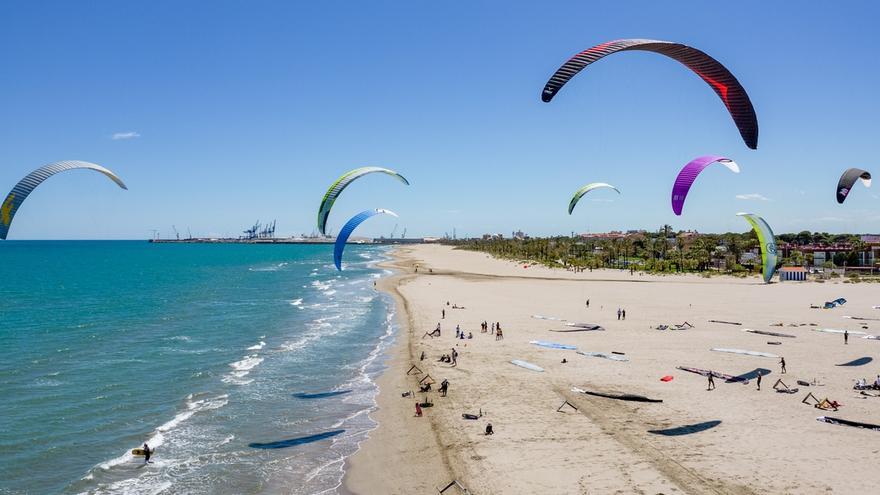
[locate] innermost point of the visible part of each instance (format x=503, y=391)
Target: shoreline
x=753, y=442
x=361, y=469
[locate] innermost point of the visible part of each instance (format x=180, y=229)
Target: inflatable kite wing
x=21, y=190
x=848, y=180
x=349, y=227
x=710, y=70
x=688, y=175
x=767, y=241
x=584, y=190
x=341, y=183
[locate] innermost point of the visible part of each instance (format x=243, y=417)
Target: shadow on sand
x=293, y=442
x=687, y=429
x=320, y=395
x=751, y=375
x=858, y=362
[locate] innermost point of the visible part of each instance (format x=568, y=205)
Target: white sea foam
x=247, y=364
x=296, y=302
x=257, y=347
x=158, y=438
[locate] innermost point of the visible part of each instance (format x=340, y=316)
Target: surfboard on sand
x=527, y=365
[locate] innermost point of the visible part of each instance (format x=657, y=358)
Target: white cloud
x=125, y=135
x=752, y=196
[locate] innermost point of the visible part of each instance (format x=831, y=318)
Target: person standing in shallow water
x=147, y=453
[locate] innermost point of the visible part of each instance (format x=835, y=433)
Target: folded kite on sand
x=553, y=345
x=629, y=397
x=846, y=422
x=727, y=378
x=613, y=357
x=772, y=334
x=588, y=326
x=745, y=352
x=527, y=365
x=581, y=327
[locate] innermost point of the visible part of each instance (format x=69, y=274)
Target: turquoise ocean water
x=198, y=350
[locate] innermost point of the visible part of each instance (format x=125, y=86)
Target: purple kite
x=689, y=174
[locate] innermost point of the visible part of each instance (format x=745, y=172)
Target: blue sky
x=244, y=111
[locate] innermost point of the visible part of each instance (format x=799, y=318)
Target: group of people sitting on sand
x=459, y=333
x=864, y=385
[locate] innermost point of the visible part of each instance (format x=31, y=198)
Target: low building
x=789, y=273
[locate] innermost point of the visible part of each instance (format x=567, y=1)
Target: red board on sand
x=667, y=378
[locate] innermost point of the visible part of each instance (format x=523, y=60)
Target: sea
x=248, y=368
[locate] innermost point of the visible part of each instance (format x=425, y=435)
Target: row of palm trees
x=663, y=250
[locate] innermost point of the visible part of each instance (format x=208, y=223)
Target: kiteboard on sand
x=527, y=365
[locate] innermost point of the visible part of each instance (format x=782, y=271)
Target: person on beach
x=711, y=382
x=457, y=331
x=493, y=328
x=444, y=386
x=147, y=453
x=618, y=313
x=845, y=337
x=470, y=335
x=588, y=303
x=489, y=430
x=422, y=357
x=499, y=335
x=418, y=410
x=454, y=357
x=623, y=313
x=564, y=360
x=443, y=314
x=759, y=379
x=782, y=364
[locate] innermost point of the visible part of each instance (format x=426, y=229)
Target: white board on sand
x=527, y=365
x=613, y=357
x=834, y=330
x=745, y=352
x=542, y=317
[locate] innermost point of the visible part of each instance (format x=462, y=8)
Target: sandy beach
x=731, y=440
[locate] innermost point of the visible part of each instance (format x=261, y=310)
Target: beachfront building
x=863, y=255
x=789, y=273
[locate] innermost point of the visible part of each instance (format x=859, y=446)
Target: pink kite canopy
x=689, y=174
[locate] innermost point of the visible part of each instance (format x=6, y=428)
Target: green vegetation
x=662, y=251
